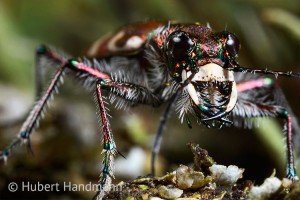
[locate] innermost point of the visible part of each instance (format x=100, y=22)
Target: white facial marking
x=190, y=88
x=183, y=75
x=213, y=71
x=233, y=97
x=193, y=94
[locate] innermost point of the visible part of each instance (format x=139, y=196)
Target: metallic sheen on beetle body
x=188, y=66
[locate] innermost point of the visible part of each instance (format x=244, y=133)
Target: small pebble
x=169, y=192
x=226, y=175
x=265, y=190
x=155, y=198
x=188, y=178
x=183, y=178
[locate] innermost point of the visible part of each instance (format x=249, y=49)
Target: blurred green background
x=67, y=146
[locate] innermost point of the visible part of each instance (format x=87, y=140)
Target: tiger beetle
x=188, y=66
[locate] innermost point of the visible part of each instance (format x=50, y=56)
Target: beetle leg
x=131, y=92
x=109, y=146
x=53, y=57
x=252, y=84
x=247, y=109
x=162, y=124
x=32, y=121
x=42, y=52
x=159, y=133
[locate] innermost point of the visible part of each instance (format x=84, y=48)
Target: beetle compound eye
x=179, y=45
x=232, y=45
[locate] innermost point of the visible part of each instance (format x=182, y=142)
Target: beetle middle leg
x=248, y=109
x=93, y=76
x=159, y=133
x=109, y=146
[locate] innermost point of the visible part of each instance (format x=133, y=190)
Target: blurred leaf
x=270, y=132
x=284, y=19
x=15, y=53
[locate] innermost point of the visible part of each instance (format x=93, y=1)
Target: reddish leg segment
x=244, y=110
x=109, y=146
x=32, y=121
x=252, y=84
x=103, y=81
x=247, y=109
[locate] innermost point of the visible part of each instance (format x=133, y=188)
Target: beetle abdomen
x=127, y=40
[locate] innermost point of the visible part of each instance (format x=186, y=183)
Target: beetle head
x=203, y=63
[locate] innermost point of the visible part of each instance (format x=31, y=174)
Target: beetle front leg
x=247, y=109
x=109, y=146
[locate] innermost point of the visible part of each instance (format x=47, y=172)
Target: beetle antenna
x=238, y=68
